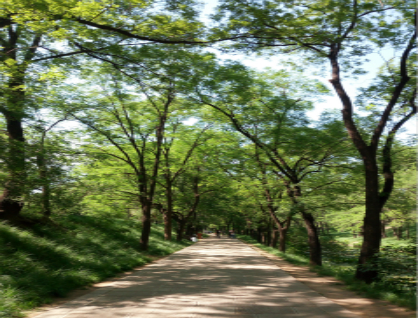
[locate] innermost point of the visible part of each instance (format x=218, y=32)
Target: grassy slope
x=48, y=261
x=344, y=273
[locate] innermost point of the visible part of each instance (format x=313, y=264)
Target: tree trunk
x=371, y=228
x=180, y=229
x=259, y=235
x=275, y=238
x=268, y=235
x=168, y=213
x=146, y=226
x=282, y=239
x=399, y=233
x=189, y=229
x=315, y=255
x=11, y=202
x=383, y=229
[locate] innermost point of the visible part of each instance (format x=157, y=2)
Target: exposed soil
x=333, y=289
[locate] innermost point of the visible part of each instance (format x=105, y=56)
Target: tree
x=342, y=37
x=172, y=169
x=34, y=35
x=136, y=140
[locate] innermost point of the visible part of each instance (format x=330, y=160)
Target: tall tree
x=276, y=124
x=34, y=34
x=342, y=33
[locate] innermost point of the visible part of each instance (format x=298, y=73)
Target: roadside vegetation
x=44, y=262
x=397, y=265
x=119, y=115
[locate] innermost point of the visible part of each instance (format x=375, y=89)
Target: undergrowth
x=340, y=261
x=48, y=261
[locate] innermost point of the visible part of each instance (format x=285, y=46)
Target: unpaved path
x=213, y=278
x=334, y=290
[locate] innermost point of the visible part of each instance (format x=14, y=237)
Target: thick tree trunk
x=371, y=229
x=374, y=200
x=12, y=107
x=11, y=202
x=315, y=254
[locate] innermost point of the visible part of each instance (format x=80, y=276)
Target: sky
x=376, y=60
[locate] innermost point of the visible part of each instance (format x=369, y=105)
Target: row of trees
x=131, y=75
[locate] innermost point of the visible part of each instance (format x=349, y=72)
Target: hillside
x=48, y=261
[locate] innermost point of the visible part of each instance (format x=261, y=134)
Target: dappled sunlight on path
x=213, y=278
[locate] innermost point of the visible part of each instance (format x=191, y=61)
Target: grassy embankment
x=397, y=266
x=45, y=262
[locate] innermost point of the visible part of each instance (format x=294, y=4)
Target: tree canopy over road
x=141, y=109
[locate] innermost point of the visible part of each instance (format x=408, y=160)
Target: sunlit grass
x=345, y=273
x=46, y=262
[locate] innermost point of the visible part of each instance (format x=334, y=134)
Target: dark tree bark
x=375, y=200
x=180, y=230
x=383, y=229
x=275, y=238
x=315, y=251
x=11, y=201
x=315, y=254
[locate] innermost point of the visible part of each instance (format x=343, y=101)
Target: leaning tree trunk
x=315, y=254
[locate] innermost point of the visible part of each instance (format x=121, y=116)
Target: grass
x=345, y=273
x=44, y=262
